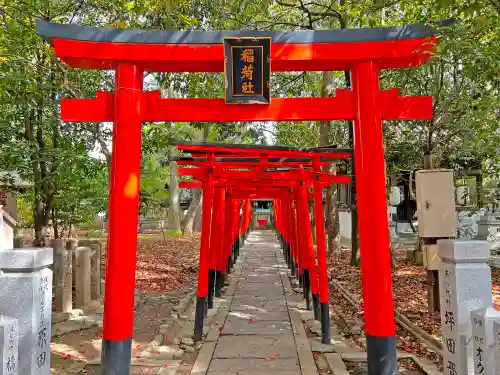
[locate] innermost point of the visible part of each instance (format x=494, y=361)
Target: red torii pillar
x=221, y=261
x=202, y=292
x=321, y=250
x=376, y=273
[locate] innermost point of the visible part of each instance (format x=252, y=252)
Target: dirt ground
x=166, y=269
x=152, y=311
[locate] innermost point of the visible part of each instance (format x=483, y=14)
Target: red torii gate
x=132, y=52
x=218, y=169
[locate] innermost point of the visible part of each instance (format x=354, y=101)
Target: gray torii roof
x=50, y=31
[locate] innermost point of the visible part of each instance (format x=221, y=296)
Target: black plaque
x=247, y=68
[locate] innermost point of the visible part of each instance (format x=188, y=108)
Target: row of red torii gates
x=231, y=176
x=131, y=53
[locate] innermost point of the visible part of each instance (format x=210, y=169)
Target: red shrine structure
x=232, y=175
x=130, y=53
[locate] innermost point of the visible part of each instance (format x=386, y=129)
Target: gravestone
x=483, y=344
x=9, y=344
x=464, y=285
x=26, y=295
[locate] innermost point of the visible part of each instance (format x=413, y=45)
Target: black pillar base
x=198, y=318
x=211, y=288
x=234, y=256
x=307, y=289
x=116, y=356
x=229, y=264
x=294, y=268
x=301, y=280
x=219, y=283
x=381, y=352
x=316, y=307
x=326, y=336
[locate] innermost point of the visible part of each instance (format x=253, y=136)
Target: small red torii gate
x=130, y=53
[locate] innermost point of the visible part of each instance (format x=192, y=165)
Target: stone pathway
x=262, y=332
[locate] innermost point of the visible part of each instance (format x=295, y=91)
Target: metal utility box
x=436, y=203
x=431, y=258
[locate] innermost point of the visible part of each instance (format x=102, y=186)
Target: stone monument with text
x=464, y=285
x=26, y=295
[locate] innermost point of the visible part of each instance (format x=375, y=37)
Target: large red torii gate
x=132, y=52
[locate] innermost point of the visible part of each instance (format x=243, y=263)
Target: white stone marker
x=483, y=340
x=464, y=285
x=26, y=295
x=9, y=345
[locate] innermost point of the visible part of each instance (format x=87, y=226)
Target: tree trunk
x=331, y=214
x=55, y=224
x=427, y=160
x=187, y=223
x=198, y=217
x=175, y=212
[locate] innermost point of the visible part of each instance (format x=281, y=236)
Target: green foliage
x=70, y=186
x=154, y=175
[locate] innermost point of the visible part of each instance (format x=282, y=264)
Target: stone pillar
x=82, y=277
x=464, y=285
x=26, y=295
x=483, y=341
x=63, y=277
x=95, y=265
x=71, y=245
x=9, y=346
x=496, y=349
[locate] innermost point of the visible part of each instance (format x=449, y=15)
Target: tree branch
x=495, y=5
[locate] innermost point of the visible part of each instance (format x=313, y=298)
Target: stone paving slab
x=256, y=275
x=240, y=302
x=261, y=286
x=254, y=366
x=282, y=346
x=250, y=289
x=259, y=279
x=239, y=326
x=259, y=314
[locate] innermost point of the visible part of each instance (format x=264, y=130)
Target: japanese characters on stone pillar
x=9, y=343
x=26, y=295
x=483, y=344
x=464, y=285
